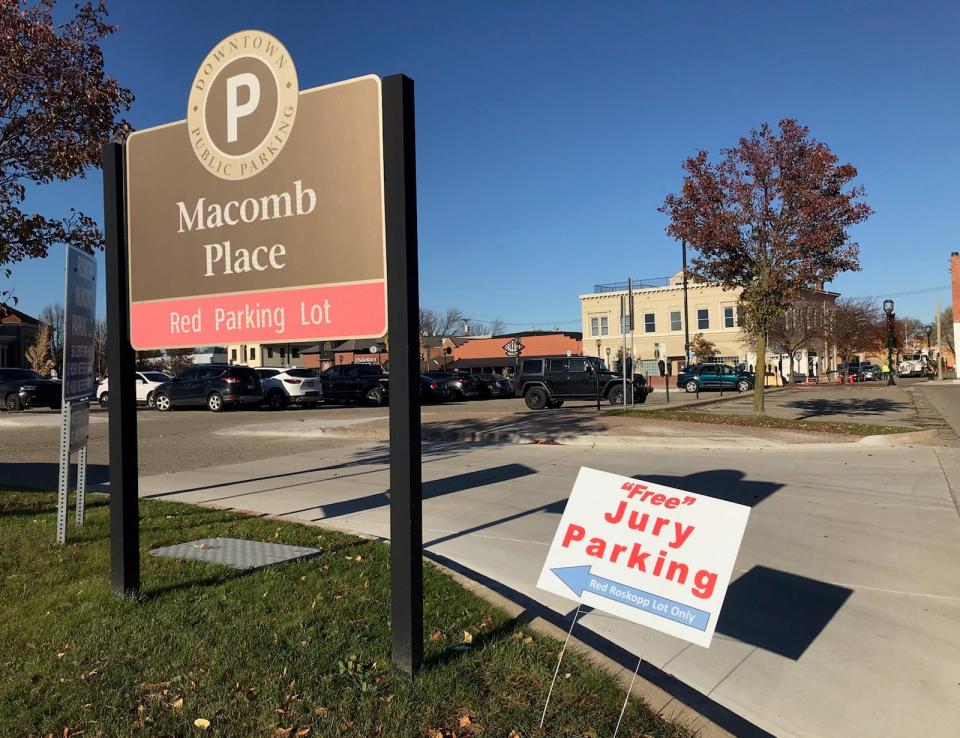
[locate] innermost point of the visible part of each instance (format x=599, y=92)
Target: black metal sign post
x=403, y=304
x=124, y=484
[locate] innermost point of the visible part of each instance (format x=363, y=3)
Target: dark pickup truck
x=547, y=381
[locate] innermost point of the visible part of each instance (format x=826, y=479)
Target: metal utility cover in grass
x=235, y=552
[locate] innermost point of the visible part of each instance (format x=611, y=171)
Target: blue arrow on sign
x=579, y=579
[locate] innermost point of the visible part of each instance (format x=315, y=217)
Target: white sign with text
x=650, y=554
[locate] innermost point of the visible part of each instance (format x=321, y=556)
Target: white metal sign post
x=647, y=553
x=79, y=324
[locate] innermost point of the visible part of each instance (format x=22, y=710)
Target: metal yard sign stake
x=626, y=699
x=556, y=670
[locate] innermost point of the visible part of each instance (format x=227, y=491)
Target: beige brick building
x=659, y=324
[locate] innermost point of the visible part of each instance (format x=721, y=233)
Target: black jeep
x=546, y=381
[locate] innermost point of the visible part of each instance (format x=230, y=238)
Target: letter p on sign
x=235, y=110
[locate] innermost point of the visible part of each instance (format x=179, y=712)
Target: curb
x=656, y=698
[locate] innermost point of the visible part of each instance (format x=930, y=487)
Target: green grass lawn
x=286, y=651
x=765, y=421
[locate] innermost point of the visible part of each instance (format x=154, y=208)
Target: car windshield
x=302, y=373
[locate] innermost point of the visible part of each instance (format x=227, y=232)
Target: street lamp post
x=596, y=375
x=929, y=331
x=686, y=317
x=888, y=310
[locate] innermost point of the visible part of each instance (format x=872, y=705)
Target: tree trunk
x=759, y=382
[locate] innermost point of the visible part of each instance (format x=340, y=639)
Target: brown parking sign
x=260, y=218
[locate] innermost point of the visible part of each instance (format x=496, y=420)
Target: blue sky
x=549, y=133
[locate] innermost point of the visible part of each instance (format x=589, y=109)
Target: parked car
x=494, y=386
x=355, y=383
x=462, y=386
x=215, y=385
x=548, y=381
x=24, y=388
x=701, y=377
x=433, y=391
x=289, y=386
x=870, y=372
x=146, y=384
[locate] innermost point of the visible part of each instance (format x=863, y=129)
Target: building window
x=675, y=322
x=269, y=352
x=649, y=323
x=703, y=319
x=253, y=354
x=729, y=319
x=295, y=352
x=599, y=326
x=233, y=354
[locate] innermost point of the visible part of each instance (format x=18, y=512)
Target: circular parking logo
x=242, y=105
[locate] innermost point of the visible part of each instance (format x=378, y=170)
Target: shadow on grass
x=44, y=476
x=822, y=407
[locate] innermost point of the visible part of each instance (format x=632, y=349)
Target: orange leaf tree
x=771, y=217
x=57, y=110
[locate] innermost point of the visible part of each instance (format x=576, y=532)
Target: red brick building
x=18, y=331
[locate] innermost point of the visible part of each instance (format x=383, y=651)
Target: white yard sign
x=654, y=555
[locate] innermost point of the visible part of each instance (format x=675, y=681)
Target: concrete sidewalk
x=842, y=618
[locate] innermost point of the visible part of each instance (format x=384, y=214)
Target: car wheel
x=690, y=386
x=150, y=400
x=615, y=396
x=105, y=399
x=743, y=386
x=556, y=403
x=276, y=400
x=536, y=399
x=13, y=403
x=215, y=402
x=162, y=402
x=375, y=397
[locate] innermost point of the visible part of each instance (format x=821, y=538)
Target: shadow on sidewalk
x=778, y=611
x=435, y=488
x=724, y=484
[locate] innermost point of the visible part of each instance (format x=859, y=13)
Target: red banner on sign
x=271, y=316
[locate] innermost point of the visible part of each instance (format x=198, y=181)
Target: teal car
x=701, y=377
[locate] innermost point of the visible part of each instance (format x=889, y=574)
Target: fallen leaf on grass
x=177, y=703
x=282, y=732
x=201, y=723
x=302, y=732
x=513, y=734
x=321, y=712
x=436, y=635
x=464, y=721
x=467, y=637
